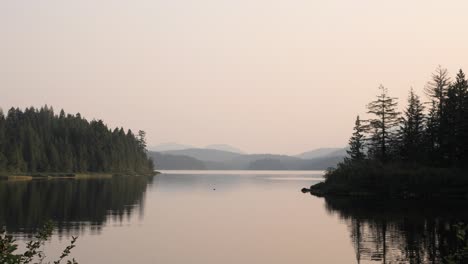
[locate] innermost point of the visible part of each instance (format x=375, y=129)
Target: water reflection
x=71, y=204
x=402, y=231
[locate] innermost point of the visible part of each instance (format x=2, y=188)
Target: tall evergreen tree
x=383, y=126
x=356, y=142
x=142, y=139
x=3, y=160
x=411, y=132
x=431, y=147
x=437, y=88
x=437, y=91
x=457, y=115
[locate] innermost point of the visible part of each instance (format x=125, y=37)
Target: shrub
x=8, y=248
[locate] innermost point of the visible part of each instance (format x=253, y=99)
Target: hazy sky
x=262, y=75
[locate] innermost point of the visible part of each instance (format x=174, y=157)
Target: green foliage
x=461, y=252
x=34, y=252
x=37, y=140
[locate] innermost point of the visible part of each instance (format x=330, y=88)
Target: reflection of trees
x=72, y=204
x=401, y=232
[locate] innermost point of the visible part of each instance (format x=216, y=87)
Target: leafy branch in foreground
x=34, y=252
x=461, y=254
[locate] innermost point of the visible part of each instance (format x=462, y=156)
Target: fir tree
x=412, y=128
x=142, y=139
x=431, y=146
x=356, y=142
x=383, y=125
x=3, y=159
x=437, y=90
x=458, y=101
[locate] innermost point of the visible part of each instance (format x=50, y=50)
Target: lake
x=206, y=217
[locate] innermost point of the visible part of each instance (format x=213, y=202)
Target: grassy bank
x=398, y=180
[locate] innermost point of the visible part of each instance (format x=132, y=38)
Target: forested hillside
x=38, y=140
x=197, y=159
x=175, y=162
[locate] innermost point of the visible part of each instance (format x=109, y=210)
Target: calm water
x=227, y=217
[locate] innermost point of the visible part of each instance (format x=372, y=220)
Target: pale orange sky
x=264, y=76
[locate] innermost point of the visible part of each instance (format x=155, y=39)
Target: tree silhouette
x=356, y=142
x=383, y=125
x=412, y=128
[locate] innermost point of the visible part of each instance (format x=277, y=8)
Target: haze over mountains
x=225, y=157
x=176, y=146
x=322, y=152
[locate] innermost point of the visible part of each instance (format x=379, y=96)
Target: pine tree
x=53, y=157
x=430, y=146
x=3, y=159
x=142, y=139
x=356, y=142
x=437, y=91
x=449, y=128
x=458, y=101
x=384, y=125
x=437, y=88
x=412, y=128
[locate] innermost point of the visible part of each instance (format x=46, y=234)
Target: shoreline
x=392, y=180
x=76, y=176
x=323, y=189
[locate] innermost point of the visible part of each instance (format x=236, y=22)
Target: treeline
x=38, y=140
x=420, y=152
x=432, y=133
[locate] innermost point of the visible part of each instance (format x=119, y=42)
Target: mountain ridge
x=214, y=159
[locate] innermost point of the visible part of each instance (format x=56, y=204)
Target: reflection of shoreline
x=401, y=231
x=73, y=204
x=318, y=173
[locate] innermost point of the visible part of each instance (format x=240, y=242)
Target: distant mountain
x=292, y=163
x=224, y=147
x=169, y=146
x=322, y=163
x=205, y=154
x=175, y=162
x=322, y=152
x=267, y=164
x=176, y=146
x=214, y=159
x=245, y=161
